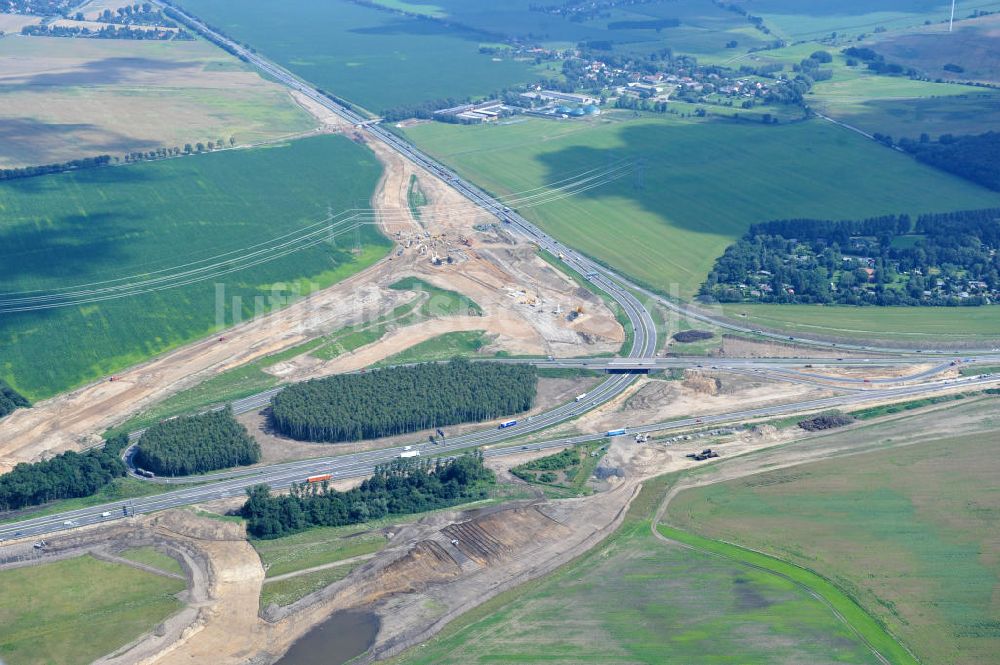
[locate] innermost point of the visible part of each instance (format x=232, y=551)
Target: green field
x=287, y=591
x=795, y=20
x=701, y=185
x=909, y=532
x=115, y=223
x=921, y=325
x=319, y=546
x=635, y=599
x=150, y=556
x=442, y=347
x=373, y=58
x=74, y=611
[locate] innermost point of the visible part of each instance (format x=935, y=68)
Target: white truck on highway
x=580, y=397
x=409, y=453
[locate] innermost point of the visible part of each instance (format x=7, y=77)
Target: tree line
x=944, y=259
x=107, y=32
x=46, y=169
x=399, y=488
x=195, y=444
x=66, y=476
x=973, y=157
x=350, y=407
x=10, y=399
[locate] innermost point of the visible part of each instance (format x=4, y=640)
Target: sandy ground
x=503, y=275
x=651, y=401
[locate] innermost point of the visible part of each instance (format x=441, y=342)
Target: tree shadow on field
x=105, y=71
x=672, y=172
x=28, y=140
x=65, y=252
x=422, y=27
x=53, y=184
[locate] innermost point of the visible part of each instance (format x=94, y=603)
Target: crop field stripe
x=85, y=228
x=845, y=607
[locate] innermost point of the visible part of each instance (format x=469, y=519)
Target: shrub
x=688, y=336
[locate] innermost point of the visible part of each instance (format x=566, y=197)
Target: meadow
x=696, y=185
x=77, y=610
x=796, y=21
x=634, y=599
x=894, y=105
x=63, y=99
x=907, y=532
x=917, y=325
x=971, y=46
x=101, y=224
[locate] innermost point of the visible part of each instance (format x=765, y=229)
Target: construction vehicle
x=707, y=453
x=323, y=477
x=41, y=544
x=641, y=438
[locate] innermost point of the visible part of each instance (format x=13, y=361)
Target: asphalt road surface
x=280, y=476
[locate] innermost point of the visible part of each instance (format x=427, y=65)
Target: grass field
x=153, y=557
x=922, y=325
x=286, y=592
x=872, y=631
x=796, y=21
x=71, y=229
x=634, y=599
x=909, y=533
x=319, y=546
x=62, y=99
x=442, y=347
x=74, y=611
x=708, y=182
x=370, y=57
x=972, y=47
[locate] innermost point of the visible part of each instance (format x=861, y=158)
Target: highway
x=643, y=350
x=613, y=283
x=216, y=486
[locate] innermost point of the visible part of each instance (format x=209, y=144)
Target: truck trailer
x=506, y=424
x=320, y=478
x=410, y=453
x=617, y=432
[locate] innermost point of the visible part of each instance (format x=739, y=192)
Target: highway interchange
x=641, y=356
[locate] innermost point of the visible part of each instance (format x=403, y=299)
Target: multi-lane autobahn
x=642, y=355
x=279, y=476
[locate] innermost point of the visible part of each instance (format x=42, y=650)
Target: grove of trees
x=350, y=407
x=940, y=259
x=10, y=399
x=195, y=444
x=398, y=488
x=66, y=476
x=975, y=158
